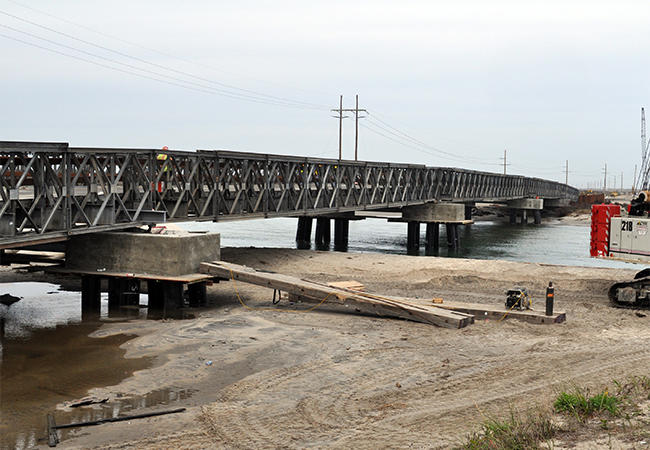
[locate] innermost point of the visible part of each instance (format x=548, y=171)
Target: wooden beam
x=367, y=303
x=497, y=312
x=188, y=278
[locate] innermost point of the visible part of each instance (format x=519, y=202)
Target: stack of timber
x=364, y=302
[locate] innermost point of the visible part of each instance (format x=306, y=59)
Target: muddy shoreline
x=332, y=378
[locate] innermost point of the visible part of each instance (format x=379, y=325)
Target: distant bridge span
x=51, y=191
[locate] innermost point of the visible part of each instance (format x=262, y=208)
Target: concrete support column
x=432, y=238
x=114, y=294
x=323, y=232
x=341, y=234
x=172, y=295
x=468, y=211
x=524, y=206
x=155, y=294
x=122, y=292
x=303, y=234
x=413, y=237
x=130, y=291
x=453, y=238
x=197, y=294
x=91, y=295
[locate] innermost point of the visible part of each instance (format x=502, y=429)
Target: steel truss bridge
x=51, y=191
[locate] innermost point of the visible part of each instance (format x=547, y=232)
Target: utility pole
x=621, y=181
x=605, y=180
x=567, y=172
x=504, y=162
x=340, y=110
x=356, y=111
x=356, y=128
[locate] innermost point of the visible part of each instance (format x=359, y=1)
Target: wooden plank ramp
x=497, y=312
x=320, y=292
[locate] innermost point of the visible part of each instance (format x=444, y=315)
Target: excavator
x=623, y=235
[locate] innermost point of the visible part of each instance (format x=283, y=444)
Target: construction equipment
x=623, y=235
x=517, y=297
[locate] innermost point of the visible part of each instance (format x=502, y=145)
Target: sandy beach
x=274, y=376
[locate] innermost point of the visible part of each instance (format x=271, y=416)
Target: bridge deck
x=50, y=191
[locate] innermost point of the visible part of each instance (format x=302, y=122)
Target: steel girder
x=49, y=191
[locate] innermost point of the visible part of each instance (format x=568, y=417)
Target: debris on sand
x=8, y=299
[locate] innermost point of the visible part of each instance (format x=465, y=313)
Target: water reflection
x=117, y=407
x=47, y=357
x=43, y=306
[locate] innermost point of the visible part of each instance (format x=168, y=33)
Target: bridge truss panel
x=50, y=191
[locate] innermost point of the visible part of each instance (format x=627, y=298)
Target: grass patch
x=583, y=407
x=623, y=415
x=520, y=431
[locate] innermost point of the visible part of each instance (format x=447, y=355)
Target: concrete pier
x=452, y=215
x=166, y=262
x=522, y=207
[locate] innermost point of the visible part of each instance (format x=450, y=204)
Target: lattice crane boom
x=644, y=175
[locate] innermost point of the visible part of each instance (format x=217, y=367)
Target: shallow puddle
x=48, y=358
x=125, y=405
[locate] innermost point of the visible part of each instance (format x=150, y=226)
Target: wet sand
x=266, y=376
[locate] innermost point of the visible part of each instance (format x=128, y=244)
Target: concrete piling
x=197, y=294
x=413, y=238
x=91, y=295
x=432, y=245
x=323, y=233
x=303, y=233
x=453, y=240
x=341, y=234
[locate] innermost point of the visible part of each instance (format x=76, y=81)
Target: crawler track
x=632, y=294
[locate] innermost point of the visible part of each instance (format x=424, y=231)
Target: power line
x=247, y=95
x=389, y=132
x=163, y=53
x=418, y=148
x=411, y=139
x=436, y=136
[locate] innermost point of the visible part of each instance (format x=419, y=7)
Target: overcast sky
x=444, y=83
